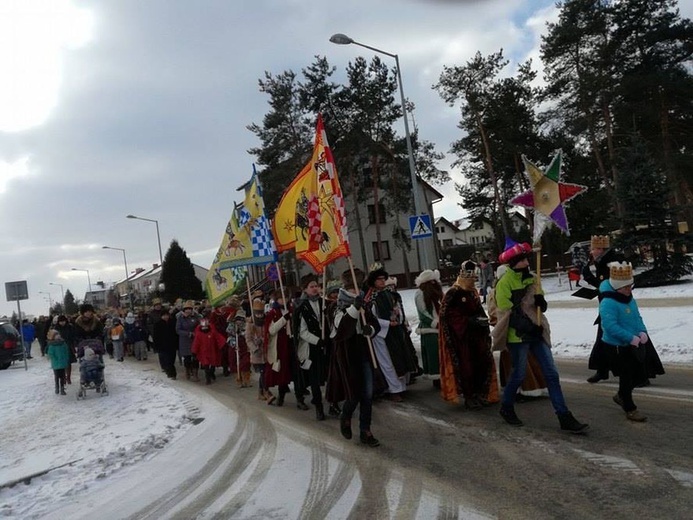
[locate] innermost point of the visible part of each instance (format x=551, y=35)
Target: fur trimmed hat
x=306, y=280
x=333, y=286
x=620, y=274
x=86, y=307
x=427, y=275
x=514, y=252
x=189, y=304
x=375, y=274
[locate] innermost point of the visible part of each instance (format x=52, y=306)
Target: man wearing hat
x=153, y=317
x=602, y=255
x=390, y=345
x=311, y=341
x=186, y=321
x=520, y=331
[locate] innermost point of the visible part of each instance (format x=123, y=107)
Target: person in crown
x=624, y=335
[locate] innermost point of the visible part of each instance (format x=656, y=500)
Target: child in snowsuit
x=59, y=354
x=206, y=346
x=91, y=368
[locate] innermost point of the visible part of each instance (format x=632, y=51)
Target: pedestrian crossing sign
x=420, y=226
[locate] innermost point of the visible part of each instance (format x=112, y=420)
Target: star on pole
x=547, y=195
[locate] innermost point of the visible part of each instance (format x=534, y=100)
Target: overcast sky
x=117, y=107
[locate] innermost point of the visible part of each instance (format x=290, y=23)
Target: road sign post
x=420, y=226
x=16, y=291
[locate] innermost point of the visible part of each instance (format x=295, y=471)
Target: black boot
x=301, y=404
x=62, y=388
x=368, y=439
x=334, y=410
x=598, y=376
x=57, y=388
x=280, y=399
x=319, y=412
x=571, y=424
x=508, y=413
x=345, y=427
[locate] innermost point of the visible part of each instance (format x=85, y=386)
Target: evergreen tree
x=71, y=306
x=178, y=275
x=499, y=124
x=647, y=226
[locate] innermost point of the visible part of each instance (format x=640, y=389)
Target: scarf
x=344, y=299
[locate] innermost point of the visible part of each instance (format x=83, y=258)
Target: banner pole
x=286, y=304
x=324, y=305
x=361, y=312
x=538, y=282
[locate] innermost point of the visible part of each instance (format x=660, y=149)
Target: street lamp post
x=343, y=39
x=88, y=280
x=50, y=302
x=62, y=292
x=127, y=275
x=158, y=237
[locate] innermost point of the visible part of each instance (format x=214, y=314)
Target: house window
x=371, y=214
x=384, y=249
x=447, y=242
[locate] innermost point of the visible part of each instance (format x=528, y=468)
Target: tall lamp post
x=158, y=237
x=62, y=292
x=50, y=302
x=343, y=39
x=127, y=276
x=88, y=280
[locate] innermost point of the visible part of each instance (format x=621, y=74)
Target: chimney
x=139, y=270
x=154, y=266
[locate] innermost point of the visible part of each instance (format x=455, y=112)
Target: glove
x=321, y=344
x=540, y=301
x=358, y=302
x=643, y=337
x=367, y=330
x=635, y=341
x=287, y=316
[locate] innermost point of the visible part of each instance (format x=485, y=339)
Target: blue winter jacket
x=620, y=317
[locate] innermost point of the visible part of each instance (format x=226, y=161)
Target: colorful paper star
x=547, y=195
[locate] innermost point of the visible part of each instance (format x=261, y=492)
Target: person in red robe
x=206, y=346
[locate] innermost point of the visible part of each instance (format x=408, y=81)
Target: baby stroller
x=91, y=368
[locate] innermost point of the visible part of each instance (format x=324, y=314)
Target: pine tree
x=647, y=227
x=71, y=306
x=178, y=275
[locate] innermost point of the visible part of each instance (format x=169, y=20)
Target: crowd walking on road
x=348, y=343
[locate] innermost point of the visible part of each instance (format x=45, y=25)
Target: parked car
x=10, y=345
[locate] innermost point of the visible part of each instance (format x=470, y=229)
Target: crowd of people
x=352, y=344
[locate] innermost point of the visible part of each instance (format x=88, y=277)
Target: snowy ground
x=95, y=448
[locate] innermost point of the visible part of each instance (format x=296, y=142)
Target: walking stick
x=537, y=282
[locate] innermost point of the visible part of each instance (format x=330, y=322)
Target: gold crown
x=466, y=274
x=600, y=242
x=620, y=271
x=375, y=266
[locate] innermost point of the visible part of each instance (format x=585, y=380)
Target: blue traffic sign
x=420, y=226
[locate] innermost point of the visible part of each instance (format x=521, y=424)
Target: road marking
x=615, y=463
x=650, y=391
x=682, y=477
